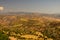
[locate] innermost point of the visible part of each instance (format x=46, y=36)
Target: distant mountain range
x=32, y=14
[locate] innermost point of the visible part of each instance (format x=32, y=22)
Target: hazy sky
x=44, y=6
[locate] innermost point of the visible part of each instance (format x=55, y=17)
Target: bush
x=3, y=36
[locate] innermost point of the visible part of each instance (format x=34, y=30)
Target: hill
x=29, y=26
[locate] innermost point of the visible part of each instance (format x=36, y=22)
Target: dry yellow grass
x=12, y=38
x=29, y=36
x=39, y=34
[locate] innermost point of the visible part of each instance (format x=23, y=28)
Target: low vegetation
x=13, y=27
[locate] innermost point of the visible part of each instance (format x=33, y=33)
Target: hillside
x=29, y=27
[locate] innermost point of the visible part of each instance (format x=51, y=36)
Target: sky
x=42, y=6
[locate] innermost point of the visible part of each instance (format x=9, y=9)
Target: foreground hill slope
x=29, y=27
